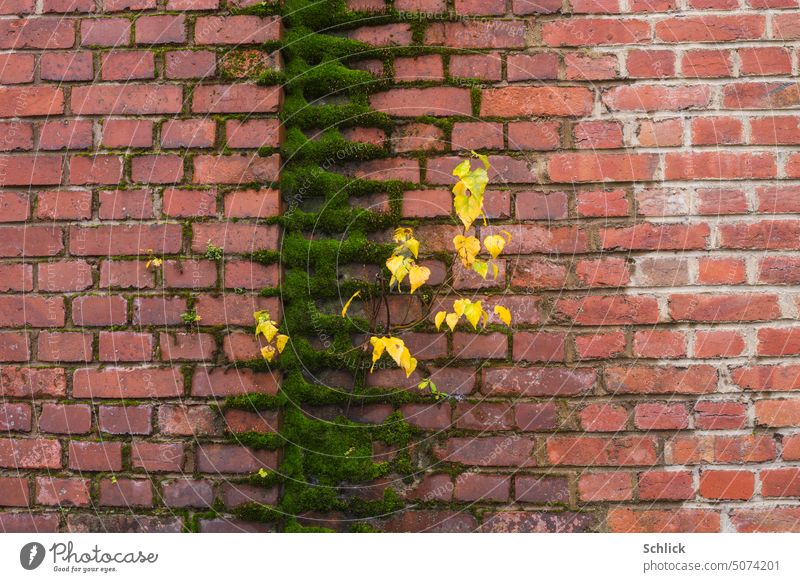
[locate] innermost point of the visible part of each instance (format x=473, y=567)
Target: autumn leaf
x=268, y=353
x=378, y=346
x=473, y=313
x=349, y=301
x=503, y=313
x=440, y=319
x=452, y=320
x=468, y=208
x=413, y=246
x=481, y=267
x=418, y=276
x=462, y=169
x=459, y=305
x=402, y=234
x=280, y=342
x=398, y=267
x=494, y=244
x=467, y=248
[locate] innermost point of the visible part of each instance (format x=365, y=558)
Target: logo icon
x=31, y=555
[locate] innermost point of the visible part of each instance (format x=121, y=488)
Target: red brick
x=127, y=383
x=417, y=102
x=627, y=520
x=217, y=458
x=711, y=28
x=157, y=457
x=253, y=133
x=605, y=487
x=63, y=492
x=539, y=101
x=602, y=451
x=16, y=68
x=126, y=493
x=534, y=135
x=727, y=484
x=127, y=65
x=31, y=310
x=487, y=451
x=125, y=239
x=242, y=98
x=125, y=419
x=189, y=274
x=14, y=492
x=654, y=416
x=37, y=33
x=127, y=133
x=36, y=453
x=161, y=29
x=127, y=99
x=66, y=418
x=238, y=30
x=235, y=169
x=666, y=485
x=64, y=347
x=106, y=32
x=714, y=344
x=15, y=418
x=477, y=66
x=190, y=64
x=659, y=344
x=486, y=488
x=187, y=420
x=30, y=171
x=76, y=66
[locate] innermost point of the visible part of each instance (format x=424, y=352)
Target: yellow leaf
x=467, y=248
x=408, y=363
x=462, y=169
x=459, y=306
x=268, y=353
x=402, y=234
x=440, y=319
x=398, y=267
x=473, y=313
x=494, y=244
x=418, y=276
x=496, y=270
x=476, y=181
x=280, y=342
x=481, y=267
x=482, y=158
x=452, y=321
x=413, y=246
x=349, y=301
x=378, y=346
x=468, y=208
x=394, y=347
x=503, y=313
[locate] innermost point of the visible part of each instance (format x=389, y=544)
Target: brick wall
x=128, y=131
x=643, y=164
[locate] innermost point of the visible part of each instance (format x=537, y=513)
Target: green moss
x=326, y=462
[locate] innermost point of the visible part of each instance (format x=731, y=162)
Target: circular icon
x=31, y=555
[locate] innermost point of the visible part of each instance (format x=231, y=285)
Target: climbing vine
x=328, y=462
